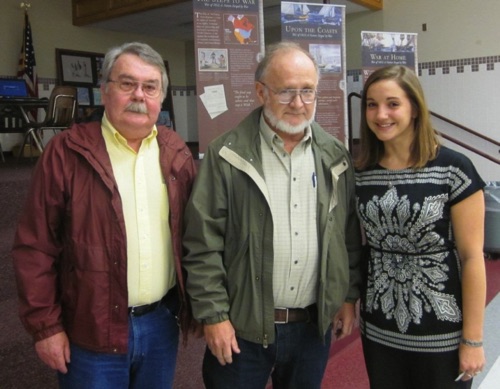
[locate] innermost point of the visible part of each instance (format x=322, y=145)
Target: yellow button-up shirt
x=150, y=259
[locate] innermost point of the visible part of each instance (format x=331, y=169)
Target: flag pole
x=27, y=62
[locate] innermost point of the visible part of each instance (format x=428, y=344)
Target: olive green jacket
x=229, y=233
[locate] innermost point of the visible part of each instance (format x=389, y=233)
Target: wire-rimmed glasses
x=150, y=89
x=286, y=96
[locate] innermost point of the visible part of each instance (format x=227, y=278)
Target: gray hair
x=144, y=52
x=279, y=48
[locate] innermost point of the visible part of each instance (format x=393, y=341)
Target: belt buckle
x=132, y=310
x=139, y=310
x=282, y=321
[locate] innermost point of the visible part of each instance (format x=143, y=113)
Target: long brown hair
x=426, y=142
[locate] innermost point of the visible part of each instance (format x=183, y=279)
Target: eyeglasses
x=150, y=89
x=286, y=96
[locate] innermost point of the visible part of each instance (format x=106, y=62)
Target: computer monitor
x=13, y=87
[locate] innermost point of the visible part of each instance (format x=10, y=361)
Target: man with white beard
x=272, y=239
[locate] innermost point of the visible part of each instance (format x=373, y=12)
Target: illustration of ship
x=294, y=13
x=330, y=16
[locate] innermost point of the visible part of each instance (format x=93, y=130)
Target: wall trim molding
x=461, y=65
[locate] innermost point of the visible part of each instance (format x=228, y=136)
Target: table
x=14, y=114
x=12, y=107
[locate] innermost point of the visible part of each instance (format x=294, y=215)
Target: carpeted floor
x=19, y=366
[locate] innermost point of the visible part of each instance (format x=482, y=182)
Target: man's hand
x=344, y=321
x=54, y=351
x=221, y=341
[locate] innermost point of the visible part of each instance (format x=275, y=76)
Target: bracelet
x=471, y=343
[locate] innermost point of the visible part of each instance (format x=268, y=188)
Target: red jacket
x=70, y=254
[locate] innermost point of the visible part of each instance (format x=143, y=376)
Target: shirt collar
x=112, y=133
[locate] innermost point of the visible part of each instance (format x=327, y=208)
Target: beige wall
x=51, y=24
x=355, y=23
x=455, y=28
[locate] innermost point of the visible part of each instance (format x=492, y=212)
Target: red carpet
x=346, y=367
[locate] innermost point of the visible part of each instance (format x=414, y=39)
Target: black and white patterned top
x=413, y=296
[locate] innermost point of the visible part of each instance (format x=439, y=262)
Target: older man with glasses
x=98, y=247
x=272, y=239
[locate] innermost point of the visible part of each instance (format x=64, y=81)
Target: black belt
x=296, y=315
x=140, y=310
x=170, y=300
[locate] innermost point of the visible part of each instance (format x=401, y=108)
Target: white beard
x=283, y=126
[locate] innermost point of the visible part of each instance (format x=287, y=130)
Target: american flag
x=27, y=62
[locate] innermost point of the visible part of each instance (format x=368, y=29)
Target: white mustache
x=284, y=126
x=137, y=108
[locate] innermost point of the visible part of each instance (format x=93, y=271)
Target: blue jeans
x=150, y=362
x=297, y=360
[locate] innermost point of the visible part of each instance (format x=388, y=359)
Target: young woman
x=421, y=206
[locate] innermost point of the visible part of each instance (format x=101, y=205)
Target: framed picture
x=99, y=60
x=76, y=67
x=96, y=96
x=164, y=119
x=213, y=60
x=83, y=96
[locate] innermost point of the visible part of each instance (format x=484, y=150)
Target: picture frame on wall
x=96, y=96
x=83, y=96
x=76, y=67
x=99, y=60
x=164, y=119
